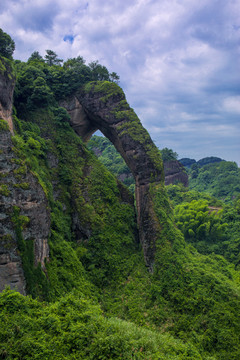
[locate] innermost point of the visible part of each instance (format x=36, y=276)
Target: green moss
x=104, y=87
x=6, y=67
x=17, y=160
x=3, y=125
x=107, y=88
x=65, y=270
x=20, y=172
x=7, y=241
x=23, y=185
x=37, y=284
x=4, y=191
x=130, y=125
x=2, y=66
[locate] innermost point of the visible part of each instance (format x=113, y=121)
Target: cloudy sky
x=178, y=60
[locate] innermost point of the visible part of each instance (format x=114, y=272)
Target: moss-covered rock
x=104, y=107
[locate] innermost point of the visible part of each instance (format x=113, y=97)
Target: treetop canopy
x=7, y=45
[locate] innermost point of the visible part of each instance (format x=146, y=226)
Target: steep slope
x=7, y=84
x=25, y=219
x=94, y=252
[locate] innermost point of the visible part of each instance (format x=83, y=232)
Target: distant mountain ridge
x=187, y=162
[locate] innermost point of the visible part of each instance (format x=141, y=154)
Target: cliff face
x=175, y=173
x=7, y=83
x=24, y=214
x=24, y=206
x=103, y=106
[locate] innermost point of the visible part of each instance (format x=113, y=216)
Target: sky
x=178, y=61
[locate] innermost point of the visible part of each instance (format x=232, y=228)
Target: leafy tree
x=99, y=72
x=42, y=95
x=168, y=154
x=35, y=56
x=220, y=179
x=7, y=45
x=199, y=222
x=54, y=76
x=74, y=62
x=52, y=59
x=114, y=77
x=180, y=194
x=194, y=170
x=24, y=88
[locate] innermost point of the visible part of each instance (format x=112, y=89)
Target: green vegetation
x=209, y=224
x=109, y=157
x=3, y=125
x=198, y=221
x=75, y=328
x=220, y=179
x=168, y=154
x=95, y=298
x=7, y=45
x=105, y=88
x=4, y=190
x=110, y=222
x=36, y=281
x=42, y=83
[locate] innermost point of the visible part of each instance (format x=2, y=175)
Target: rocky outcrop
x=102, y=105
x=20, y=191
x=175, y=173
x=23, y=205
x=7, y=83
x=79, y=119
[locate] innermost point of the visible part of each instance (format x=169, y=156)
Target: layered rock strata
x=23, y=205
x=175, y=173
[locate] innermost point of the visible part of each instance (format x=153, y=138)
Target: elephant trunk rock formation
x=102, y=105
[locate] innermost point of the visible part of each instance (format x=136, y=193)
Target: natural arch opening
x=102, y=106
x=107, y=154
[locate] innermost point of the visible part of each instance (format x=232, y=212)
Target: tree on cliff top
x=52, y=59
x=7, y=45
x=35, y=56
x=168, y=154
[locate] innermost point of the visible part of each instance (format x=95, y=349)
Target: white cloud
x=177, y=60
x=232, y=104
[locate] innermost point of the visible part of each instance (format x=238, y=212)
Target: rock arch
x=103, y=106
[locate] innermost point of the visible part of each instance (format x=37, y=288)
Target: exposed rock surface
x=79, y=119
x=7, y=83
x=175, y=173
x=19, y=190
x=104, y=107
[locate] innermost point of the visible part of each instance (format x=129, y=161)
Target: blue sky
x=178, y=60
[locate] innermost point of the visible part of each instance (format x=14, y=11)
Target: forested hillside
x=70, y=227
x=214, y=186
x=220, y=179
